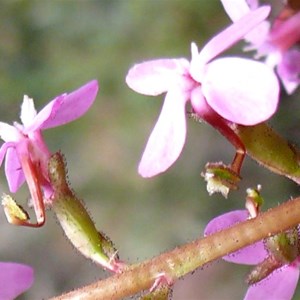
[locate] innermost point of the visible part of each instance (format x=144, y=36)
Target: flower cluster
x=228, y=92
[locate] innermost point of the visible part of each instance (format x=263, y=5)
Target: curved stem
x=189, y=257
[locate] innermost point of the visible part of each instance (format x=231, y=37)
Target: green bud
x=254, y=201
x=76, y=222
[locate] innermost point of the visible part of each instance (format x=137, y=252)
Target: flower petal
x=28, y=111
x=227, y=38
x=280, y=284
x=286, y=34
x=289, y=70
x=249, y=255
x=242, y=91
x=15, y=279
x=13, y=170
x=66, y=108
x=156, y=76
x=168, y=136
x=9, y=133
x=235, y=9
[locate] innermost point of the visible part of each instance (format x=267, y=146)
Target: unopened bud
x=254, y=201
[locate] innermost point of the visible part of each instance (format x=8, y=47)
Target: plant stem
x=189, y=257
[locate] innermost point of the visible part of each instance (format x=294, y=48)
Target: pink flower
x=280, y=284
x=233, y=89
x=15, y=279
x=274, y=42
x=25, y=149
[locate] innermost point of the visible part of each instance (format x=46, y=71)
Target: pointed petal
x=242, y=91
x=66, y=108
x=15, y=279
x=28, y=111
x=249, y=255
x=281, y=284
x=156, y=76
x=168, y=136
x=13, y=170
x=228, y=37
x=236, y=9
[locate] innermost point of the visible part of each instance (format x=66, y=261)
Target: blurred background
x=50, y=47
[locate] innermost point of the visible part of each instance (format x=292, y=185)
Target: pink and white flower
x=274, y=42
x=25, y=149
x=233, y=89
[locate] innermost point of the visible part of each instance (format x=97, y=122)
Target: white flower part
x=28, y=111
x=9, y=133
x=197, y=64
x=194, y=50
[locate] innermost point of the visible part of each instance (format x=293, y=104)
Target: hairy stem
x=189, y=257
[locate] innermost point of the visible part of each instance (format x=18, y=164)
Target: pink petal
x=66, y=108
x=168, y=136
x=281, y=285
x=227, y=38
x=242, y=91
x=289, y=70
x=15, y=279
x=3, y=150
x=156, y=76
x=235, y=9
x=249, y=255
x=9, y=133
x=13, y=170
x=287, y=33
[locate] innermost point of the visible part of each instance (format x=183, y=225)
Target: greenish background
x=49, y=47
